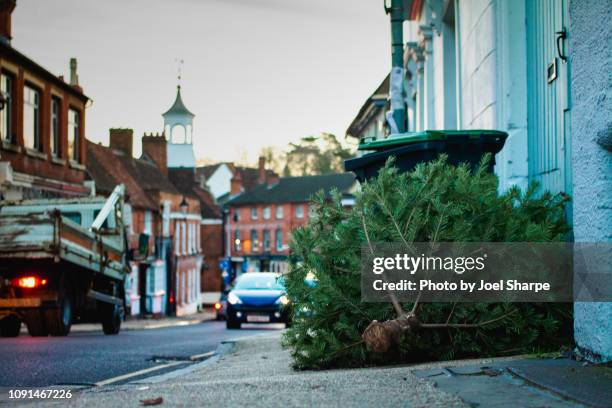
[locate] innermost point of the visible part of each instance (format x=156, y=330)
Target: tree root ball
x=380, y=337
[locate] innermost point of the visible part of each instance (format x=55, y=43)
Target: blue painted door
x=548, y=94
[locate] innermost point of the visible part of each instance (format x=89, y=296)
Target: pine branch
x=465, y=325
x=394, y=301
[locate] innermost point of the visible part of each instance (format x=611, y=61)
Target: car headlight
x=283, y=300
x=233, y=299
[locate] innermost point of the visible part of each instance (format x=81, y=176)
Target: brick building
x=42, y=125
x=163, y=225
x=261, y=218
x=211, y=230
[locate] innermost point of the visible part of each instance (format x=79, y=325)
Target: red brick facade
x=46, y=172
x=212, y=248
x=286, y=220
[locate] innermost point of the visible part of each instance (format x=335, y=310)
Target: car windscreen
x=259, y=281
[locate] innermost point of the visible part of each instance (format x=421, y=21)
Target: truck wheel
x=35, y=323
x=111, y=319
x=10, y=326
x=59, y=319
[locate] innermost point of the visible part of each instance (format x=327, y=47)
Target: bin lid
x=432, y=135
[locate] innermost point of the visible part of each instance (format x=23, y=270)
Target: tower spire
x=179, y=71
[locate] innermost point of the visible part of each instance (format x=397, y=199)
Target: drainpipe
x=396, y=117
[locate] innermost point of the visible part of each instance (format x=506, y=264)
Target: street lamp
x=184, y=206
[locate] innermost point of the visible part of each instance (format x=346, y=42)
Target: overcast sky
x=256, y=72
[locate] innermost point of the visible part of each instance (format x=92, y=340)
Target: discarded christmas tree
x=436, y=202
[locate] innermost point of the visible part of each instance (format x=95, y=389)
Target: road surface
x=90, y=358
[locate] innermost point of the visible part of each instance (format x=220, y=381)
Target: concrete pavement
x=257, y=372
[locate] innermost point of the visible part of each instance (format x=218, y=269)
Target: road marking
x=177, y=324
x=201, y=356
x=137, y=373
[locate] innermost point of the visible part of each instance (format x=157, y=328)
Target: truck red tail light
x=29, y=282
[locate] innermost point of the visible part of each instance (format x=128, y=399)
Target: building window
x=237, y=242
x=189, y=238
x=279, y=212
x=254, y=241
x=237, y=215
x=198, y=232
x=6, y=114
x=74, y=129
x=266, y=213
x=166, y=218
x=147, y=223
x=254, y=213
x=55, y=127
x=192, y=238
x=279, y=240
x=31, y=118
x=266, y=240
x=150, y=280
x=177, y=238
x=299, y=211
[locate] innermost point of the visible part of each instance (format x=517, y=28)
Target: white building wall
x=487, y=62
x=219, y=183
x=511, y=42
x=478, y=64
x=440, y=87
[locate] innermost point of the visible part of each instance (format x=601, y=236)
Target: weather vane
x=179, y=62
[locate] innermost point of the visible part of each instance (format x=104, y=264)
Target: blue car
x=257, y=297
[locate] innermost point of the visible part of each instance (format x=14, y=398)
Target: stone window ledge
x=59, y=161
x=76, y=165
x=35, y=153
x=6, y=145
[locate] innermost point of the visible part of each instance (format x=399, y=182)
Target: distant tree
x=275, y=158
x=316, y=155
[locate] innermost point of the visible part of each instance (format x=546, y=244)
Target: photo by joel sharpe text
x=461, y=285
x=485, y=271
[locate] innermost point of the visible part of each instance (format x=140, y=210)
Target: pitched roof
x=248, y=175
x=9, y=52
x=147, y=174
x=178, y=108
x=208, y=206
x=295, y=189
x=109, y=167
x=207, y=170
x=185, y=181
x=369, y=108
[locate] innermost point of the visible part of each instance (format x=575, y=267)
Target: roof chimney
x=236, y=184
x=122, y=140
x=262, y=170
x=6, y=9
x=74, y=77
x=154, y=147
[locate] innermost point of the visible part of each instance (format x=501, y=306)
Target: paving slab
x=526, y=382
